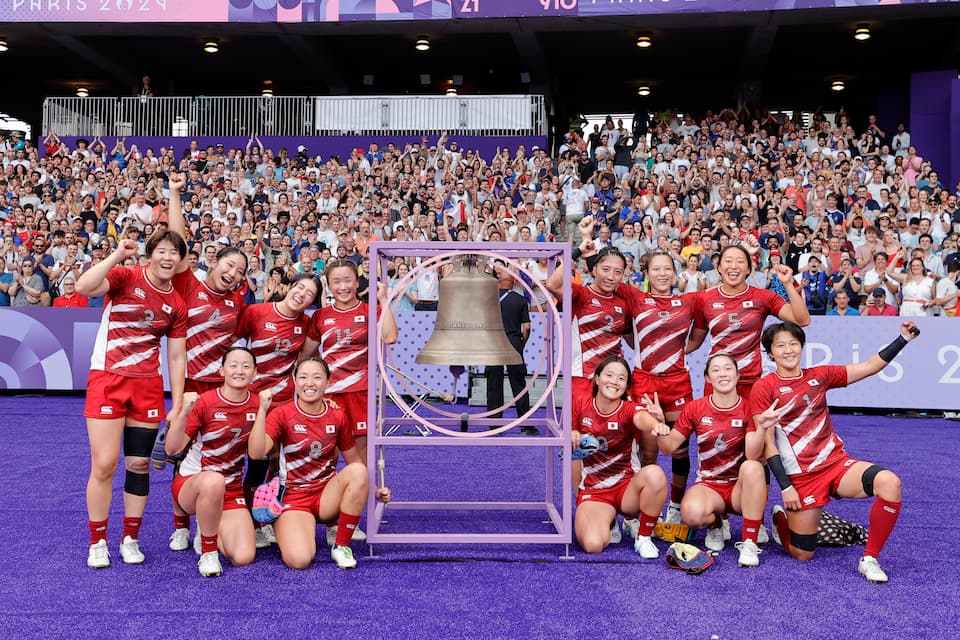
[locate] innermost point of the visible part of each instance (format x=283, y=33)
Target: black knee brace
x=138, y=442
x=803, y=541
x=256, y=472
x=869, y=476
x=137, y=484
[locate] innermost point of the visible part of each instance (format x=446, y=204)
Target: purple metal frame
x=558, y=434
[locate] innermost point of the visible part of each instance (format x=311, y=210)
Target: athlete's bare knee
x=211, y=484
x=242, y=557
x=800, y=554
x=137, y=465
x=593, y=542
x=887, y=485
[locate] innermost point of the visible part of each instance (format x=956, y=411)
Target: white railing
x=461, y=115
x=295, y=115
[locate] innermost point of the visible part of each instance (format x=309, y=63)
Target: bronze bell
x=469, y=327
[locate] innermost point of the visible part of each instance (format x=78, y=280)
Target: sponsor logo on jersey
x=813, y=383
x=809, y=500
x=202, y=296
x=359, y=318
x=618, y=309
x=595, y=303
x=153, y=413
x=613, y=426
x=587, y=422
x=706, y=420
x=140, y=293
x=676, y=303
x=848, y=463
x=736, y=423
x=297, y=330
x=219, y=415
x=718, y=305
x=680, y=401
x=228, y=303
x=329, y=321
x=106, y=410
x=649, y=301
x=748, y=304
x=331, y=428
x=586, y=496
x=269, y=326
x=166, y=308
x=251, y=417
x=299, y=428
x=784, y=389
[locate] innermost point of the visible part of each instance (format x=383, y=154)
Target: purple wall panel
x=952, y=177
x=49, y=349
x=930, y=117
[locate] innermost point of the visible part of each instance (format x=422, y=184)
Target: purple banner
x=49, y=349
x=292, y=11
x=324, y=146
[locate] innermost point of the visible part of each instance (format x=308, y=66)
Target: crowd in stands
x=864, y=221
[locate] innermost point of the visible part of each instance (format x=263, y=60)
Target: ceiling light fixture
x=211, y=46
x=4, y=46
x=82, y=92
x=838, y=85
x=643, y=90
x=644, y=41
x=862, y=33
x=452, y=91
x=423, y=44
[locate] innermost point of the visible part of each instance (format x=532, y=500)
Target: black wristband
x=575, y=254
x=592, y=261
x=890, y=351
x=776, y=467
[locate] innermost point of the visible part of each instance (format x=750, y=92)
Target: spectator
x=917, y=289
x=845, y=279
x=69, y=296
x=947, y=291
x=877, y=304
x=27, y=289
x=813, y=285
x=842, y=305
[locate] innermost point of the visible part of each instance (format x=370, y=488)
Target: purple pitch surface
x=482, y=591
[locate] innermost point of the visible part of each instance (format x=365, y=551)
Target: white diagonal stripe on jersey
x=805, y=440
x=125, y=308
x=208, y=370
x=200, y=328
x=259, y=344
x=336, y=387
x=789, y=458
x=207, y=345
x=134, y=324
x=823, y=455
x=116, y=343
x=648, y=327
x=594, y=468
x=136, y=358
x=719, y=471
x=280, y=386
x=338, y=362
x=800, y=419
x=612, y=481
x=612, y=348
x=734, y=346
x=651, y=349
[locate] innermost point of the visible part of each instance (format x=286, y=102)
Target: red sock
x=181, y=522
x=780, y=522
x=131, y=527
x=647, y=523
x=751, y=528
x=346, y=525
x=208, y=543
x=883, y=516
x=98, y=530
